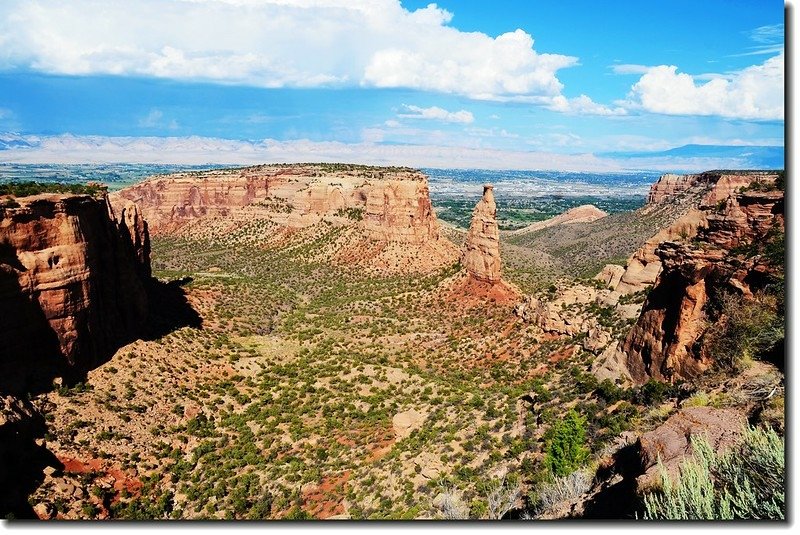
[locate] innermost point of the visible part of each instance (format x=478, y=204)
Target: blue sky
x=467, y=81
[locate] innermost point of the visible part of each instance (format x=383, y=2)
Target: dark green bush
x=565, y=447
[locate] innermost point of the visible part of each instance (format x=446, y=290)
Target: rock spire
x=481, y=256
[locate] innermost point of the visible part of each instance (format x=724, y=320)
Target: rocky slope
x=727, y=256
x=585, y=213
x=71, y=285
x=703, y=192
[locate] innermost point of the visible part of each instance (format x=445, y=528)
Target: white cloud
x=68, y=148
x=630, y=68
x=155, y=119
x=755, y=92
x=274, y=43
x=582, y=105
x=437, y=113
x=772, y=33
x=391, y=123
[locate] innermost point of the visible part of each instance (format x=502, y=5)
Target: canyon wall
x=169, y=202
x=72, y=285
x=702, y=193
x=665, y=343
x=400, y=211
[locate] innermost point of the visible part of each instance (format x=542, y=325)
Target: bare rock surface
x=407, y=421
x=71, y=284
x=481, y=256
x=663, y=342
x=671, y=442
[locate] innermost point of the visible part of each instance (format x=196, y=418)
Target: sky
x=561, y=84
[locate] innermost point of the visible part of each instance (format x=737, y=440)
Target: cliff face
x=170, y=202
x=665, y=341
x=400, y=211
x=713, y=185
x=481, y=256
x=71, y=285
x=705, y=192
x=391, y=225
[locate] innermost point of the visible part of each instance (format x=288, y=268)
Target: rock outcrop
x=391, y=223
x=169, y=202
x=714, y=186
x=611, y=275
x=481, y=255
x=400, y=211
x=671, y=442
x=663, y=344
x=705, y=192
x=71, y=285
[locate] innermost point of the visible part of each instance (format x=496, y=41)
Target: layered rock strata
x=663, y=344
x=400, y=211
x=706, y=192
x=71, y=285
x=481, y=254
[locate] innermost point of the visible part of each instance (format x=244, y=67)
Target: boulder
x=671, y=441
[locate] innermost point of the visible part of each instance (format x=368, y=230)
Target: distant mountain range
x=751, y=157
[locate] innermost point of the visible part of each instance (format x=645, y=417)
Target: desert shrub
x=654, y=392
x=747, y=329
x=565, y=449
x=610, y=392
x=27, y=188
x=562, y=489
x=747, y=482
x=698, y=399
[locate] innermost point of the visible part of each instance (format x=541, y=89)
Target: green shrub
x=748, y=329
x=747, y=482
x=27, y=188
x=565, y=449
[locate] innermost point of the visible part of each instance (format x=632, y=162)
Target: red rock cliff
x=665, y=341
x=400, y=211
x=71, y=285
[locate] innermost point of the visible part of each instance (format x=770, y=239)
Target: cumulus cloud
x=755, y=92
x=437, y=113
x=274, y=43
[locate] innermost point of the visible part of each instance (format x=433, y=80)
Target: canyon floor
x=276, y=383
x=309, y=388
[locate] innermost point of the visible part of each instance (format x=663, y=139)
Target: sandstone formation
x=171, y=201
x=391, y=224
x=663, y=343
x=405, y=422
x=481, y=254
x=705, y=192
x=671, y=442
x=71, y=285
x=610, y=275
x=400, y=211
x=586, y=213
x=714, y=186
